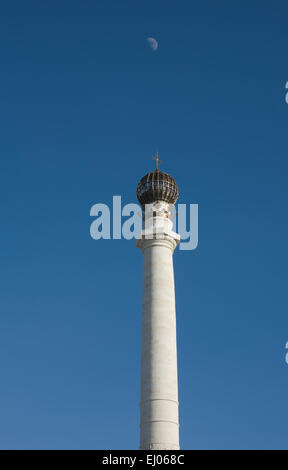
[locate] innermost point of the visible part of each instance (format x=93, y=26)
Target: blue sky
x=84, y=104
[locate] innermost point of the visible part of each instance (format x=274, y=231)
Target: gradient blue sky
x=84, y=104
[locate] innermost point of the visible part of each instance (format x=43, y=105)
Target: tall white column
x=159, y=423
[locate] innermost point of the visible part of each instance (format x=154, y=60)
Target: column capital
x=148, y=239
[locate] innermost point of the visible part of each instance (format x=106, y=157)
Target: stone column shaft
x=159, y=427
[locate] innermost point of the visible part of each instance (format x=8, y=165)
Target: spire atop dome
x=156, y=157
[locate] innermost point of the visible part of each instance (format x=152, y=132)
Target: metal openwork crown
x=157, y=186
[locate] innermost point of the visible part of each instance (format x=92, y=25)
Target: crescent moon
x=153, y=43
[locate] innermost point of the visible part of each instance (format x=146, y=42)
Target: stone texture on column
x=159, y=426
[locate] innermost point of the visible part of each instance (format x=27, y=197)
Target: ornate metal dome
x=157, y=186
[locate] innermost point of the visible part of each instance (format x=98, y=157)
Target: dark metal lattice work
x=157, y=186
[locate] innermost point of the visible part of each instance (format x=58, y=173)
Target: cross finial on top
x=156, y=157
